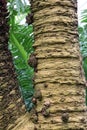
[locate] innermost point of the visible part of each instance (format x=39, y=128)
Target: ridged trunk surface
x=59, y=76
x=59, y=73
x=12, y=108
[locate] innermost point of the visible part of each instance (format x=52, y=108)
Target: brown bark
x=12, y=108
x=59, y=77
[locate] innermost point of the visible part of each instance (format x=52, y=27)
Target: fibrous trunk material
x=11, y=104
x=59, y=74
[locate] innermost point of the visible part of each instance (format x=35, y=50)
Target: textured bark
x=59, y=77
x=12, y=109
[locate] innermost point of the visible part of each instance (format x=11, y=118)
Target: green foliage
x=20, y=48
x=20, y=44
x=83, y=42
x=84, y=17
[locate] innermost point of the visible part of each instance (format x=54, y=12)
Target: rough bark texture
x=12, y=108
x=59, y=77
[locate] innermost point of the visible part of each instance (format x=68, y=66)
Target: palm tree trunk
x=59, y=77
x=12, y=109
x=59, y=74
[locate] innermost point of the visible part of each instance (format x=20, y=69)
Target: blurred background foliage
x=20, y=44
x=83, y=42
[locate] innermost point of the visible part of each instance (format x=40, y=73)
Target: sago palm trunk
x=12, y=109
x=59, y=73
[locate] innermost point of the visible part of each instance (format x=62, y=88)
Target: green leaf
x=20, y=44
x=20, y=47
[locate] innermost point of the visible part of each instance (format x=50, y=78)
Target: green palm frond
x=20, y=48
x=84, y=16
x=20, y=44
x=83, y=39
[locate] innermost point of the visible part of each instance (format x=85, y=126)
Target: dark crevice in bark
x=42, y=5
x=56, y=22
x=54, y=32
